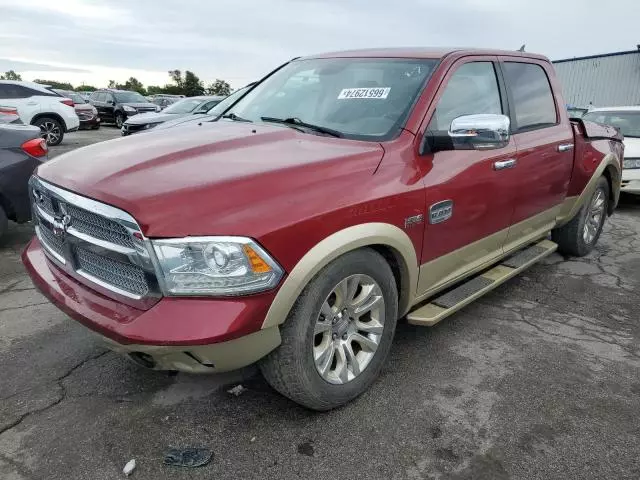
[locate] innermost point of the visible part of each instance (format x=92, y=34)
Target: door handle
x=505, y=164
x=32, y=103
x=565, y=147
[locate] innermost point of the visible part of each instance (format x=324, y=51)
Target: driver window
x=472, y=89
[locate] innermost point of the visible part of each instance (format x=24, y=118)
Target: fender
x=610, y=166
x=337, y=244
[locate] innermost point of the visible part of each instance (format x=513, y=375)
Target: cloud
x=240, y=41
x=19, y=66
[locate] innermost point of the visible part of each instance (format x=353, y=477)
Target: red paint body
x=290, y=190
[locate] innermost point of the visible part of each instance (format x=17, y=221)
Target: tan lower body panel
x=432, y=313
x=213, y=358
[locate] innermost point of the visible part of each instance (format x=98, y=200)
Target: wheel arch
x=50, y=115
x=388, y=240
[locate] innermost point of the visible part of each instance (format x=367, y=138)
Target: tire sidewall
x=603, y=186
x=119, y=119
x=308, y=310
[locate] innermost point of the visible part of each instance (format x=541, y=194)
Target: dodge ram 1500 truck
x=343, y=192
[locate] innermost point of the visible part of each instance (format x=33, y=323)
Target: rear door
x=109, y=106
x=14, y=95
x=544, y=141
x=481, y=196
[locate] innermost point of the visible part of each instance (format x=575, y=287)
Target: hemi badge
x=414, y=220
x=441, y=211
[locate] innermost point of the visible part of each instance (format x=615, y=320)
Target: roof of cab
x=422, y=52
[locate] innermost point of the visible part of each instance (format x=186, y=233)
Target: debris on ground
x=237, y=390
x=187, y=457
x=129, y=467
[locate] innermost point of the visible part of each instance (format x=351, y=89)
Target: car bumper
x=195, y=335
x=87, y=123
x=14, y=184
x=131, y=128
x=72, y=124
x=630, y=181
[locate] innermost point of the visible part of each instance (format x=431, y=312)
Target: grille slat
x=54, y=243
x=98, y=226
x=122, y=275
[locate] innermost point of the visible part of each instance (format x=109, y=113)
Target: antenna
x=521, y=49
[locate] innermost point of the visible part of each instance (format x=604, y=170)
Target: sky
x=94, y=41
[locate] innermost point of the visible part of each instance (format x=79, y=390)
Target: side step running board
x=452, y=301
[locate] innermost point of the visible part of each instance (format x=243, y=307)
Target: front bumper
x=89, y=122
x=187, y=334
x=630, y=180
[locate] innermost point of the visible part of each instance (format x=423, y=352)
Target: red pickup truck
x=343, y=192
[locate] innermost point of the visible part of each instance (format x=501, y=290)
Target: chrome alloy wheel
x=348, y=329
x=50, y=131
x=594, y=217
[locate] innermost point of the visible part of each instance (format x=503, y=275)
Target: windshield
x=76, y=97
x=226, y=102
x=627, y=122
x=184, y=106
x=364, y=98
x=129, y=97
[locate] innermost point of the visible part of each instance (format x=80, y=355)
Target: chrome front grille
x=94, y=243
x=98, y=226
x=125, y=276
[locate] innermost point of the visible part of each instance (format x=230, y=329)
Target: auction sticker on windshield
x=376, y=92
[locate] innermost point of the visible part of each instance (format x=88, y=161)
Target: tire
x=577, y=238
x=51, y=130
x=4, y=223
x=291, y=368
x=119, y=119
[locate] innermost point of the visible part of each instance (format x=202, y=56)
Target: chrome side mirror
x=480, y=132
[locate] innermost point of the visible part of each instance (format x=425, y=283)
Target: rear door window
x=533, y=101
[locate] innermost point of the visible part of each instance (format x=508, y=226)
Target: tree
x=176, y=76
x=154, y=89
x=55, y=84
x=112, y=84
x=10, y=75
x=192, y=85
x=86, y=88
x=219, y=87
x=133, y=84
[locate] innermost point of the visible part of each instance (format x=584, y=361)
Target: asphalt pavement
x=538, y=380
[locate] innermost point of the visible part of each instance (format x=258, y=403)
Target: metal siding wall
x=604, y=81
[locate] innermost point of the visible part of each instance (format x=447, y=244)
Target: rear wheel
x=579, y=236
x=51, y=130
x=338, y=334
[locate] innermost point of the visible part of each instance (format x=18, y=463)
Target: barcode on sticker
x=375, y=92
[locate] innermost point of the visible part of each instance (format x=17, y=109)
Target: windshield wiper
x=236, y=118
x=294, y=121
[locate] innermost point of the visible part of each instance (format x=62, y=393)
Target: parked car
x=163, y=102
x=343, y=192
x=182, y=108
x=576, y=112
x=9, y=115
x=211, y=115
x=627, y=120
x=115, y=106
x=21, y=150
x=40, y=106
x=87, y=113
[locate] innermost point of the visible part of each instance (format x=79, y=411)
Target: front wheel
x=579, y=236
x=338, y=333
x=119, y=120
x=51, y=130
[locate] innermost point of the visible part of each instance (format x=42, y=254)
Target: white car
x=627, y=119
x=40, y=106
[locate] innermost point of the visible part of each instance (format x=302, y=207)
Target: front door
x=544, y=141
x=481, y=195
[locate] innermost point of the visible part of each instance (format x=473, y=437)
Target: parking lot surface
x=538, y=380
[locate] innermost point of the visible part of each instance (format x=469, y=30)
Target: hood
x=220, y=178
x=83, y=106
x=152, y=117
x=188, y=119
x=631, y=147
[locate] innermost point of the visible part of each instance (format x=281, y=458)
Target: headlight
x=129, y=109
x=215, y=266
x=631, y=163
x=158, y=108
x=94, y=110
